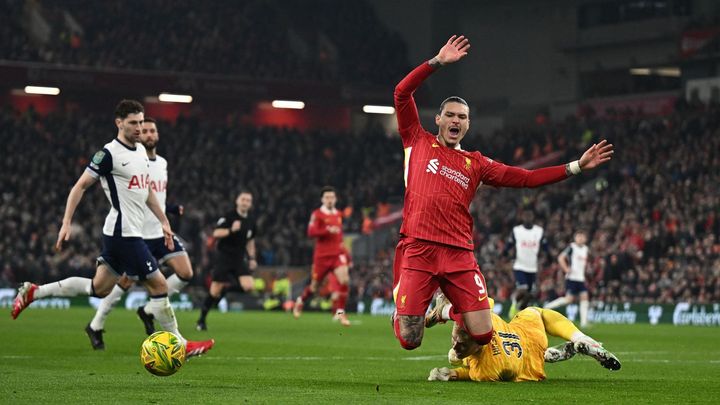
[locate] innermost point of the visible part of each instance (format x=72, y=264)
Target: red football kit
x=329, y=251
x=436, y=249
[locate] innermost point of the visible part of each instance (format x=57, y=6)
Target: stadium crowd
x=652, y=215
x=328, y=40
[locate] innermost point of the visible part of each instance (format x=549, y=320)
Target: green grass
x=45, y=357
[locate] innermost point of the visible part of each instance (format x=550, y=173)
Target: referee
x=236, y=258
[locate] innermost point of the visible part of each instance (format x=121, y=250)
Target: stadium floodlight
x=294, y=105
x=378, y=109
x=668, y=71
x=46, y=91
x=174, y=98
x=665, y=71
x=640, y=72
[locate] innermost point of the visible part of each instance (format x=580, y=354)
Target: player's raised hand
x=168, y=234
x=596, y=155
x=455, y=49
x=63, y=236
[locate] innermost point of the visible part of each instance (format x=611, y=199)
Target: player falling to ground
x=236, y=259
x=573, y=262
x=177, y=259
x=517, y=350
x=122, y=167
x=527, y=239
x=436, y=245
x=329, y=256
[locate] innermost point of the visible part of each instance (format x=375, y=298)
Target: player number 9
x=480, y=283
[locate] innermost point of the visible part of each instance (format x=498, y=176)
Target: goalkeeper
x=518, y=349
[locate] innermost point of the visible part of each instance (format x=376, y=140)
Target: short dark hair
x=452, y=99
x=327, y=189
x=150, y=120
x=244, y=191
x=127, y=107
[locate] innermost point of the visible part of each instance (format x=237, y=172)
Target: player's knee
x=185, y=273
x=125, y=283
x=408, y=333
x=102, y=291
x=409, y=342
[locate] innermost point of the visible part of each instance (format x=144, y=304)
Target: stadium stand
x=258, y=39
x=652, y=218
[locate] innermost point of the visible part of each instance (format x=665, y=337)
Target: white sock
x=106, y=305
x=445, y=313
x=584, y=306
x=558, y=302
x=579, y=336
x=175, y=284
x=162, y=311
x=70, y=287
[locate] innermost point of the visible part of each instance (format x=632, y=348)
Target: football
x=162, y=353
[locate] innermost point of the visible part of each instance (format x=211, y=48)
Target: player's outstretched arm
x=596, y=155
x=76, y=194
x=501, y=175
x=154, y=205
x=455, y=49
x=408, y=119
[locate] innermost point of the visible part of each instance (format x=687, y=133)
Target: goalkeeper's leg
x=559, y=326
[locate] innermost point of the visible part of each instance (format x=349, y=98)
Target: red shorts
x=422, y=266
x=325, y=264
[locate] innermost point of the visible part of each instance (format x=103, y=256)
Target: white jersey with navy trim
x=123, y=171
x=578, y=257
x=527, y=247
x=152, y=229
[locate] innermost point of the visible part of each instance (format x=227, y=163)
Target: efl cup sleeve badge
x=98, y=157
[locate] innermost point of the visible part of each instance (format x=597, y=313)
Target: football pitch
x=260, y=357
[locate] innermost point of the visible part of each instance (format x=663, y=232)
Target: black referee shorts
x=228, y=268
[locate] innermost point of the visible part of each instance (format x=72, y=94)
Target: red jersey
x=440, y=182
x=327, y=244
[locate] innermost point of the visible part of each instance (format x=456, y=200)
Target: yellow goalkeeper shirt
x=516, y=352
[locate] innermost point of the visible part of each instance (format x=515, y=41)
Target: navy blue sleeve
x=101, y=163
x=544, y=245
x=509, y=244
x=172, y=209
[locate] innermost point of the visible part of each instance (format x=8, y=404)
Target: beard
x=149, y=144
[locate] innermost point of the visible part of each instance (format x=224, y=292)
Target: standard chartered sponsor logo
x=455, y=176
x=686, y=314
x=452, y=174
